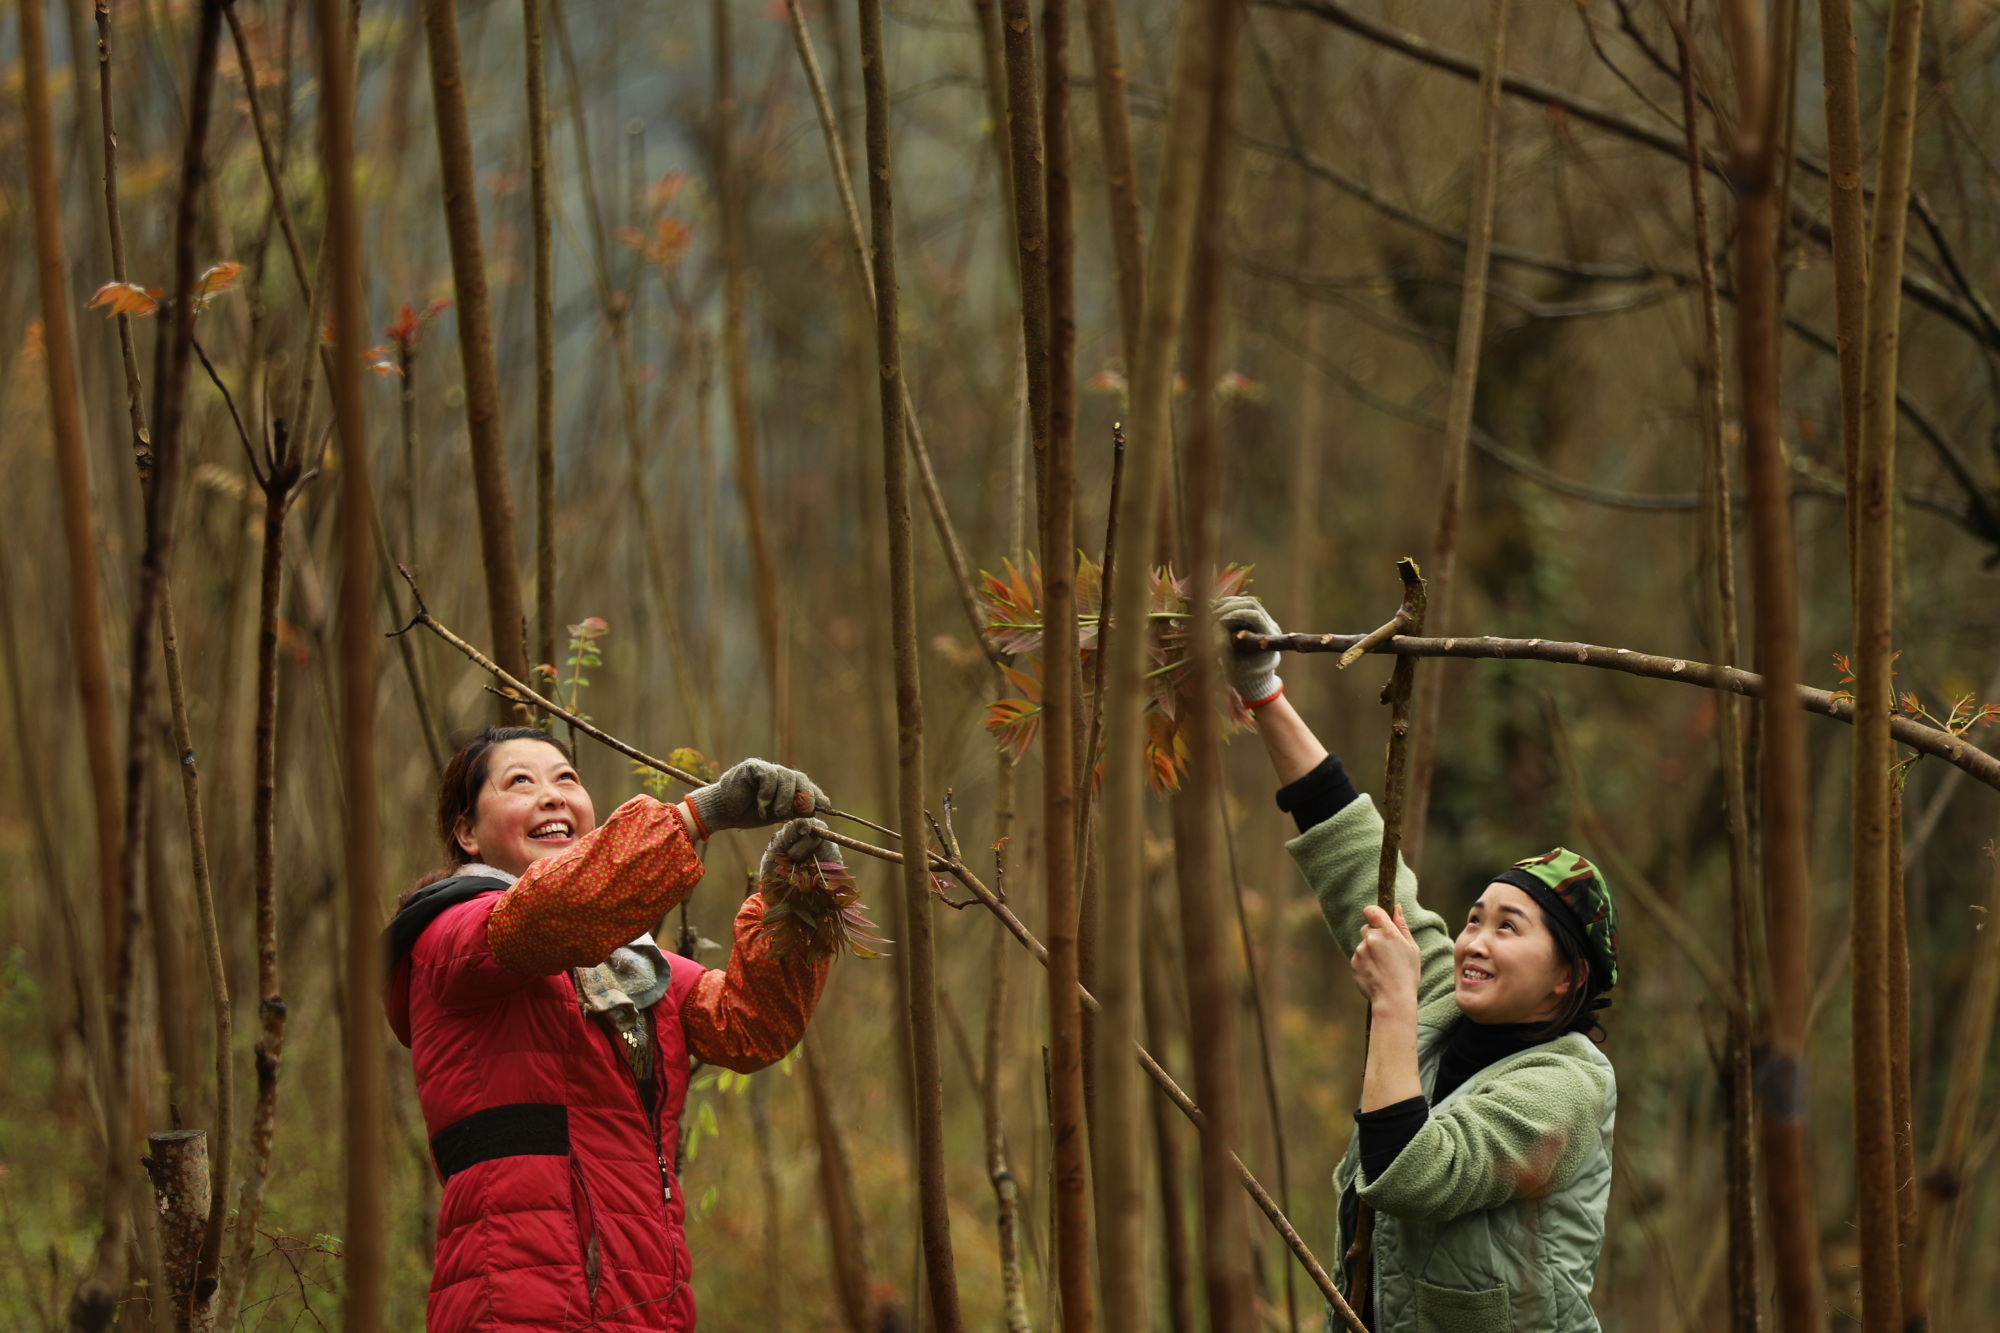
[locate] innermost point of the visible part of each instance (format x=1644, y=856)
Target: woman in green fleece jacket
x=1483, y=1140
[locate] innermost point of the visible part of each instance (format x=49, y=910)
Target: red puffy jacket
x=561, y=1209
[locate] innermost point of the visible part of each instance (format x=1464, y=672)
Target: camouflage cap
x=1562, y=880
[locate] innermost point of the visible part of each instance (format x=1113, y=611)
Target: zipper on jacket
x=659, y=1100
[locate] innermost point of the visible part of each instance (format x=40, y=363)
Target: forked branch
x=1952, y=748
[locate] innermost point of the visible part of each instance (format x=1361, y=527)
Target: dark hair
x=459, y=788
x=1578, y=1010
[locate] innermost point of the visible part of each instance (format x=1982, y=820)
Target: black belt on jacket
x=521, y=1129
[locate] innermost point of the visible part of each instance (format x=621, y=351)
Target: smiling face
x=1507, y=967
x=531, y=805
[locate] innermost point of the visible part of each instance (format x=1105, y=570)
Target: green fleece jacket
x=1491, y=1219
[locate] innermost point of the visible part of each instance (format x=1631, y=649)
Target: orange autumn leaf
x=126, y=298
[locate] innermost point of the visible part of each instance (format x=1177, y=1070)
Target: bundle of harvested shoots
x=816, y=905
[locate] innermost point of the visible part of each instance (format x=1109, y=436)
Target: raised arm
x=752, y=1012
x=572, y=910
x=749, y=1014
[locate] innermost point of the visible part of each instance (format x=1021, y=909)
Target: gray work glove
x=799, y=841
x=754, y=794
x=1253, y=675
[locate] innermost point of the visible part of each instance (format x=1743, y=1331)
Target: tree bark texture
x=742, y=411
x=1038, y=133
x=1849, y=221
x=1873, y=502
x=999, y=1169
x=1458, y=419
x=1214, y=992
x=279, y=480
x=363, y=1073
x=1909, y=1278
x=1781, y=768
x=222, y=1159
x=1025, y=151
x=177, y=1162
x=920, y=951
x=497, y=549
x=1745, y=1303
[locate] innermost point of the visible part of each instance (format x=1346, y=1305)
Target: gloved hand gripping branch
x=1253, y=675
x=755, y=794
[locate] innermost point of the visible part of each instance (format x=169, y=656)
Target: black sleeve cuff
x=1386, y=1131
x=1319, y=795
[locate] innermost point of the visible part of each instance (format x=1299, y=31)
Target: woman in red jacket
x=552, y=1037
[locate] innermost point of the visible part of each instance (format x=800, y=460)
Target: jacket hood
x=407, y=927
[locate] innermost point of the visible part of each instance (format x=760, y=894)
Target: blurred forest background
x=1342, y=235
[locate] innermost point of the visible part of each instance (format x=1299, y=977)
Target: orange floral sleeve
x=572, y=910
x=750, y=1014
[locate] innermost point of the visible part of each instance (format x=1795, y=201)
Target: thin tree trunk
x=1121, y=172
x=1121, y=1194
x=279, y=479
x=1169, y=1165
x=1395, y=824
x=363, y=1078
x=96, y=1301
x=1944, y=1180
x=171, y=974
x=114, y=224
x=837, y=1194
x=1874, y=502
x=1847, y=210
x=1745, y=1305
x=498, y=552
x=1053, y=423
x=545, y=332
x=1915, y=1315
x=993, y=65
x=1781, y=767
x=86, y=627
x=266, y=151
x=1267, y=1065
x=1458, y=421
x=920, y=951
x=1212, y=987
x=999, y=1170
x=221, y=1158
x=1031, y=239
x=1055, y=492
x=178, y=1163
x=774, y=1221
x=835, y=136
x=742, y=412
x=615, y=307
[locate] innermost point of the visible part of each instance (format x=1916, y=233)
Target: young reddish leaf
x=219, y=278
x=381, y=360
x=404, y=330
x=125, y=298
